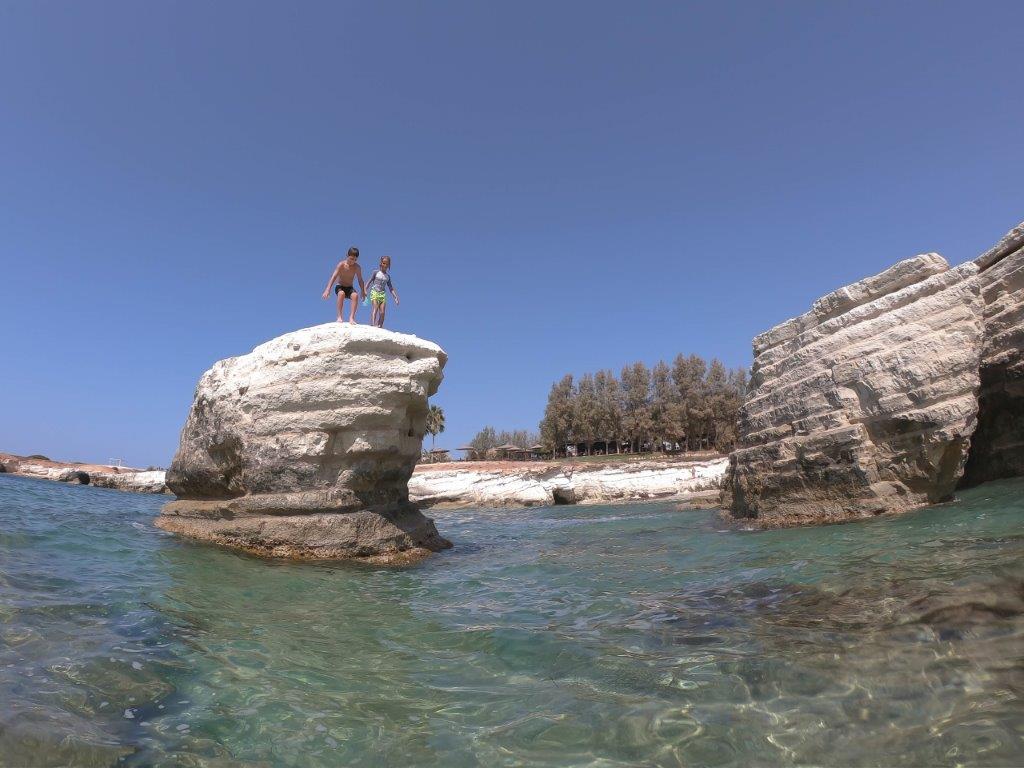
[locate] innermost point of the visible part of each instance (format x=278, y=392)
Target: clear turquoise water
x=602, y=636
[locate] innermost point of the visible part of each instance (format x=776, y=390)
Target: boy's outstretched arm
x=362, y=285
x=334, y=274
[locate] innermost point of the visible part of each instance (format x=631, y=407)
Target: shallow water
x=627, y=635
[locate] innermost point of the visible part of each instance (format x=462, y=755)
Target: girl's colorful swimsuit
x=376, y=286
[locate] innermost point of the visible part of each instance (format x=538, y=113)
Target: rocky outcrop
x=456, y=485
x=78, y=473
x=997, y=447
x=868, y=402
x=143, y=481
x=304, y=447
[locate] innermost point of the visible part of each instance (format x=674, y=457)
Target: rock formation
x=997, y=447
x=868, y=402
x=452, y=485
x=304, y=447
x=79, y=473
x=145, y=481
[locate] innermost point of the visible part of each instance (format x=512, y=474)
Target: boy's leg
x=353, y=301
x=341, y=304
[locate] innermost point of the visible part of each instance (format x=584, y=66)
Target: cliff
x=304, y=447
x=878, y=397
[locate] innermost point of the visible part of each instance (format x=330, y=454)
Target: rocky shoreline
x=525, y=484
x=77, y=473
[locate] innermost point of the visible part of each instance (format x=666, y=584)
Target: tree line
x=487, y=439
x=688, y=405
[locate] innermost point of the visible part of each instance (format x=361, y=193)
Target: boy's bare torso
x=348, y=273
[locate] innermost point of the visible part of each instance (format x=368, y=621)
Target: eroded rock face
x=304, y=447
x=887, y=393
x=866, y=403
x=998, y=444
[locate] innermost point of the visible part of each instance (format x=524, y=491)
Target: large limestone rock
x=887, y=394
x=304, y=447
x=866, y=403
x=998, y=445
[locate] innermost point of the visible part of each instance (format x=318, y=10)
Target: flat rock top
x=342, y=335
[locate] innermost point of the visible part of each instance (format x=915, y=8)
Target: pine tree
x=556, y=427
x=719, y=405
x=609, y=409
x=688, y=376
x=663, y=402
x=584, y=409
x=485, y=440
x=636, y=412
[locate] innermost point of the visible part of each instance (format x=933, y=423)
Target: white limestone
x=452, y=485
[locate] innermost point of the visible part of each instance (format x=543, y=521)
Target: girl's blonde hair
x=385, y=261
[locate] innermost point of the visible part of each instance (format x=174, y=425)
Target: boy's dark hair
x=353, y=251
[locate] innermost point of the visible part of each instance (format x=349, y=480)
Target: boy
x=345, y=275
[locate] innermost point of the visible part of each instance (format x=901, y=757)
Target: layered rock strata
x=868, y=402
x=456, y=485
x=304, y=447
x=997, y=447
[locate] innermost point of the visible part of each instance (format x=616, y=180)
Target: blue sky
x=562, y=186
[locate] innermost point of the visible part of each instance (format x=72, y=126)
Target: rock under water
x=878, y=397
x=304, y=447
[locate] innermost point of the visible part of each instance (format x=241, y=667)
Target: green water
x=629, y=635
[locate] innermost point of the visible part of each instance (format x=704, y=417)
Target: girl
x=380, y=280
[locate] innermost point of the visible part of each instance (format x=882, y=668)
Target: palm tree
x=435, y=423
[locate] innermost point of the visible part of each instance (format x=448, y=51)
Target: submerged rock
x=868, y=402
x=304, y=447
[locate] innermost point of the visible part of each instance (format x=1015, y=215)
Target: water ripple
x=594, y=636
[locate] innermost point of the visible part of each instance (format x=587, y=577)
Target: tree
x=688, y=376
x=556, y=428
x=636, y=413
x=720, y=405
x=584, y=410
x=435, y=422
x=485, y=440
x=608, y=410
x=664, y=410
x=520, y=437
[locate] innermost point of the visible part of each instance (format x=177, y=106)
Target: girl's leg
x=380, y=315
x=374, y=311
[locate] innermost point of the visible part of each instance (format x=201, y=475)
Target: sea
x=617, y=635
